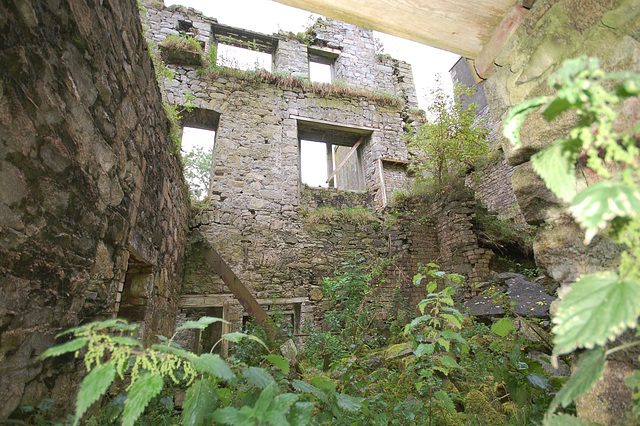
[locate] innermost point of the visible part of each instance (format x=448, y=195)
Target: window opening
x=331, y=158
x=321, y=66
x=313, y=163
x=132, y=297
x=197, y=154
x=320, y=73
x=242, y=59
x=207, y=338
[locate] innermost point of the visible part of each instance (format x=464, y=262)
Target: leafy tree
x=451, y=140
x=197, y=170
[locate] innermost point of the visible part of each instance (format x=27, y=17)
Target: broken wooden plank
x=344, y=161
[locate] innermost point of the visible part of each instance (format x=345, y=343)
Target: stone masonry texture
x=89, y=184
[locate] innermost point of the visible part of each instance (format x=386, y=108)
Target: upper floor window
x=321, y=65
x=242, y=59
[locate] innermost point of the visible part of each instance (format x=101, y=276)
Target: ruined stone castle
x=95, y=218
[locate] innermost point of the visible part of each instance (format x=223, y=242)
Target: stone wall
x=553, y=31
x=91, y=190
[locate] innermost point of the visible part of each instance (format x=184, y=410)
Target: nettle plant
x=599, y=307
x=110, y=353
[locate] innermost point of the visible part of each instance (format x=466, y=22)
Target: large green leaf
x=200, y=400
x=141, y=393
x=214, y=365
x=257, y=377
x=279, y=362
x=599, y=204
x=232, y=416
x=589, y=371
x=305, y=387
x=201, y=324
x=70, y=346
x=300, y=414
x=516, y=117
x=424, y=349
x=264, y=401
x=556, y=166
x=284, y=402
x=598, y=308
x=348, y=402
x=237, y=336
x=94, y=385
x=502, y=327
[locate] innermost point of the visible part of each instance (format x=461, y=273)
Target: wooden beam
x=382, y=184
x=242, y=294
x=509, y=24
x=344, y=161
x=460, y=27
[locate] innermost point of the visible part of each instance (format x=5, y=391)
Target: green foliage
x=450, y=142
x=197, y=170
x=182, y=42
x=599, y=307
x=359, y=216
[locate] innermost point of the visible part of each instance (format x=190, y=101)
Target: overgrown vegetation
x=182, y=42
x=446, y=370
x=599, y=307
x=450, y=141
x=197, y=170
x=288, y=81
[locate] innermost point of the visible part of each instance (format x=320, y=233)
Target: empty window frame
x=331, y=158
x=198, y=150
x=321, y=66
x=242, y=58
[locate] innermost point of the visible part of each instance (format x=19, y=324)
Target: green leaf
x=556, y=166
x=172, y=350
x=444, y=397
x=448, y=361
x=502, y=327
x=300, y=414
x=264, y=400
x=200, y=400
x=453, y=319
x=237, y=337
x=444, y=343
x=140, y=394
x=348, y=402
x=214, y=365
x=555, y=108
x=284, y=402
x=201, y=324
x=279, y=362
x=452, y=335
x=563, y=420
x=93, y=386
x=599, y=204
x=432, y=286
x=589, y=371
x=516, y=116
x=424, y=349
x=305, y=387
x=232, y=416
x=70, y=346
x=257, y=377
x=324, y=383
x=598, y=308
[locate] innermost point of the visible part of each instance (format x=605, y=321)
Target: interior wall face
x=88, y=180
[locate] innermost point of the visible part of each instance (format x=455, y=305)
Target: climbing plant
x=599, y=307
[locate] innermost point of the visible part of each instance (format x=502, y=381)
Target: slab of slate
x=527, y=298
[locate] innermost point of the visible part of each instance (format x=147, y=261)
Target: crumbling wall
x=89, y=183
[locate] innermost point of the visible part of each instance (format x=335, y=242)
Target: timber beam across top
x=475, y=29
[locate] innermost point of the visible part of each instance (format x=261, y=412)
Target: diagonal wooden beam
x=239, y=290
x=344, y=161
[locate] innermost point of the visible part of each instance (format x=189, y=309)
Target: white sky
x=267, y=16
